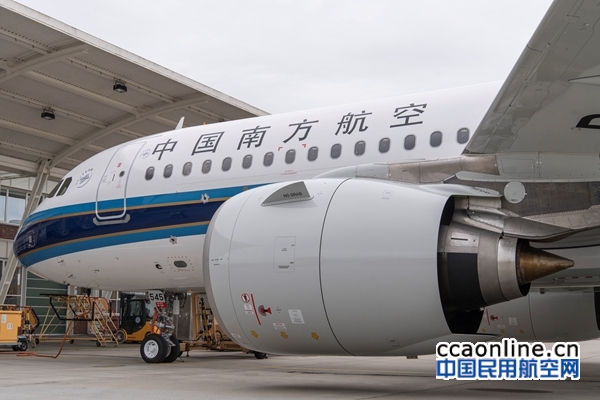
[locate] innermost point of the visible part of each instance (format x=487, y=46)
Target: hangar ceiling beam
x=40, y=61
x=68, y=87
x=205, y=113
x=28, y=101
x=37, y=51
x=129, y=133
x=131, y=84
x=124, y=123
x=35, y=152
x=34, y=103
x=24, y=42
x=44, y=134
x=170, y=124
x=15, y=165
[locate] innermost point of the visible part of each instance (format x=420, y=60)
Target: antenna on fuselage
x=180, y=123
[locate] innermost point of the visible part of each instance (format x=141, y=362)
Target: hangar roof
x=46, y=64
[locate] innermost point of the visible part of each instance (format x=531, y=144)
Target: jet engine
x=358, y=266
x=547, y=316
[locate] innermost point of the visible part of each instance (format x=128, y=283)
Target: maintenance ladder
x=95, y=310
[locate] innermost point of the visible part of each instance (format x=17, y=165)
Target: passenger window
x=226, y=166
x=187, y=169
x=462, y=136
x=290, y=156
x=359, y=148
x=53, y=191
x=268, y=160
x=313, y=152
x=336, y=150
x=409, y=142
x=206, y=166
x=149, y=173
x=247, y=162
x=384, y=145
x=168, y=171
x=435, y=139
x=64, y=187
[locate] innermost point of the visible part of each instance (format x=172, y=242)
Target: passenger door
x=111, y=203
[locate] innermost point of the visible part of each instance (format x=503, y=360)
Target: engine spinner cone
x=534, y=264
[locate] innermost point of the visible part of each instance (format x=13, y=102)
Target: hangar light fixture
x=119, y=87
x=48, y=114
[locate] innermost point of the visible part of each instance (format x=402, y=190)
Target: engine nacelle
x=330, y=266
x=547, y=316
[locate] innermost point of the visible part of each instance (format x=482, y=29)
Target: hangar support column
x=34, y=200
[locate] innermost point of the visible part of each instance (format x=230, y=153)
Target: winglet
x=180, y=123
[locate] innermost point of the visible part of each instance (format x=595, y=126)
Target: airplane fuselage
x=134, y=216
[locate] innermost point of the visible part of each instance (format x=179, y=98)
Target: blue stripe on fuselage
x=151, y=200
x=90, y=243
x=68, y=229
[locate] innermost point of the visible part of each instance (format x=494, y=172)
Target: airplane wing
x=550, y=102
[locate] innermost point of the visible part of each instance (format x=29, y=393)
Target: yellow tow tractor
x=136, y=319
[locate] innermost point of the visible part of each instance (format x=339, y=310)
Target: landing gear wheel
x=174, y=351
x=22, y=346
x=260, y=356
x=121, y=336
x=154, y=348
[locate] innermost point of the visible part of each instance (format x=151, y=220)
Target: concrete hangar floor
x=84, y=371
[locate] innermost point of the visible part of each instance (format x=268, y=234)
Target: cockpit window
x=53, y=191
x=64, y=186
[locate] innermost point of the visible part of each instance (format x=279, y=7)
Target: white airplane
x=368, y=229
